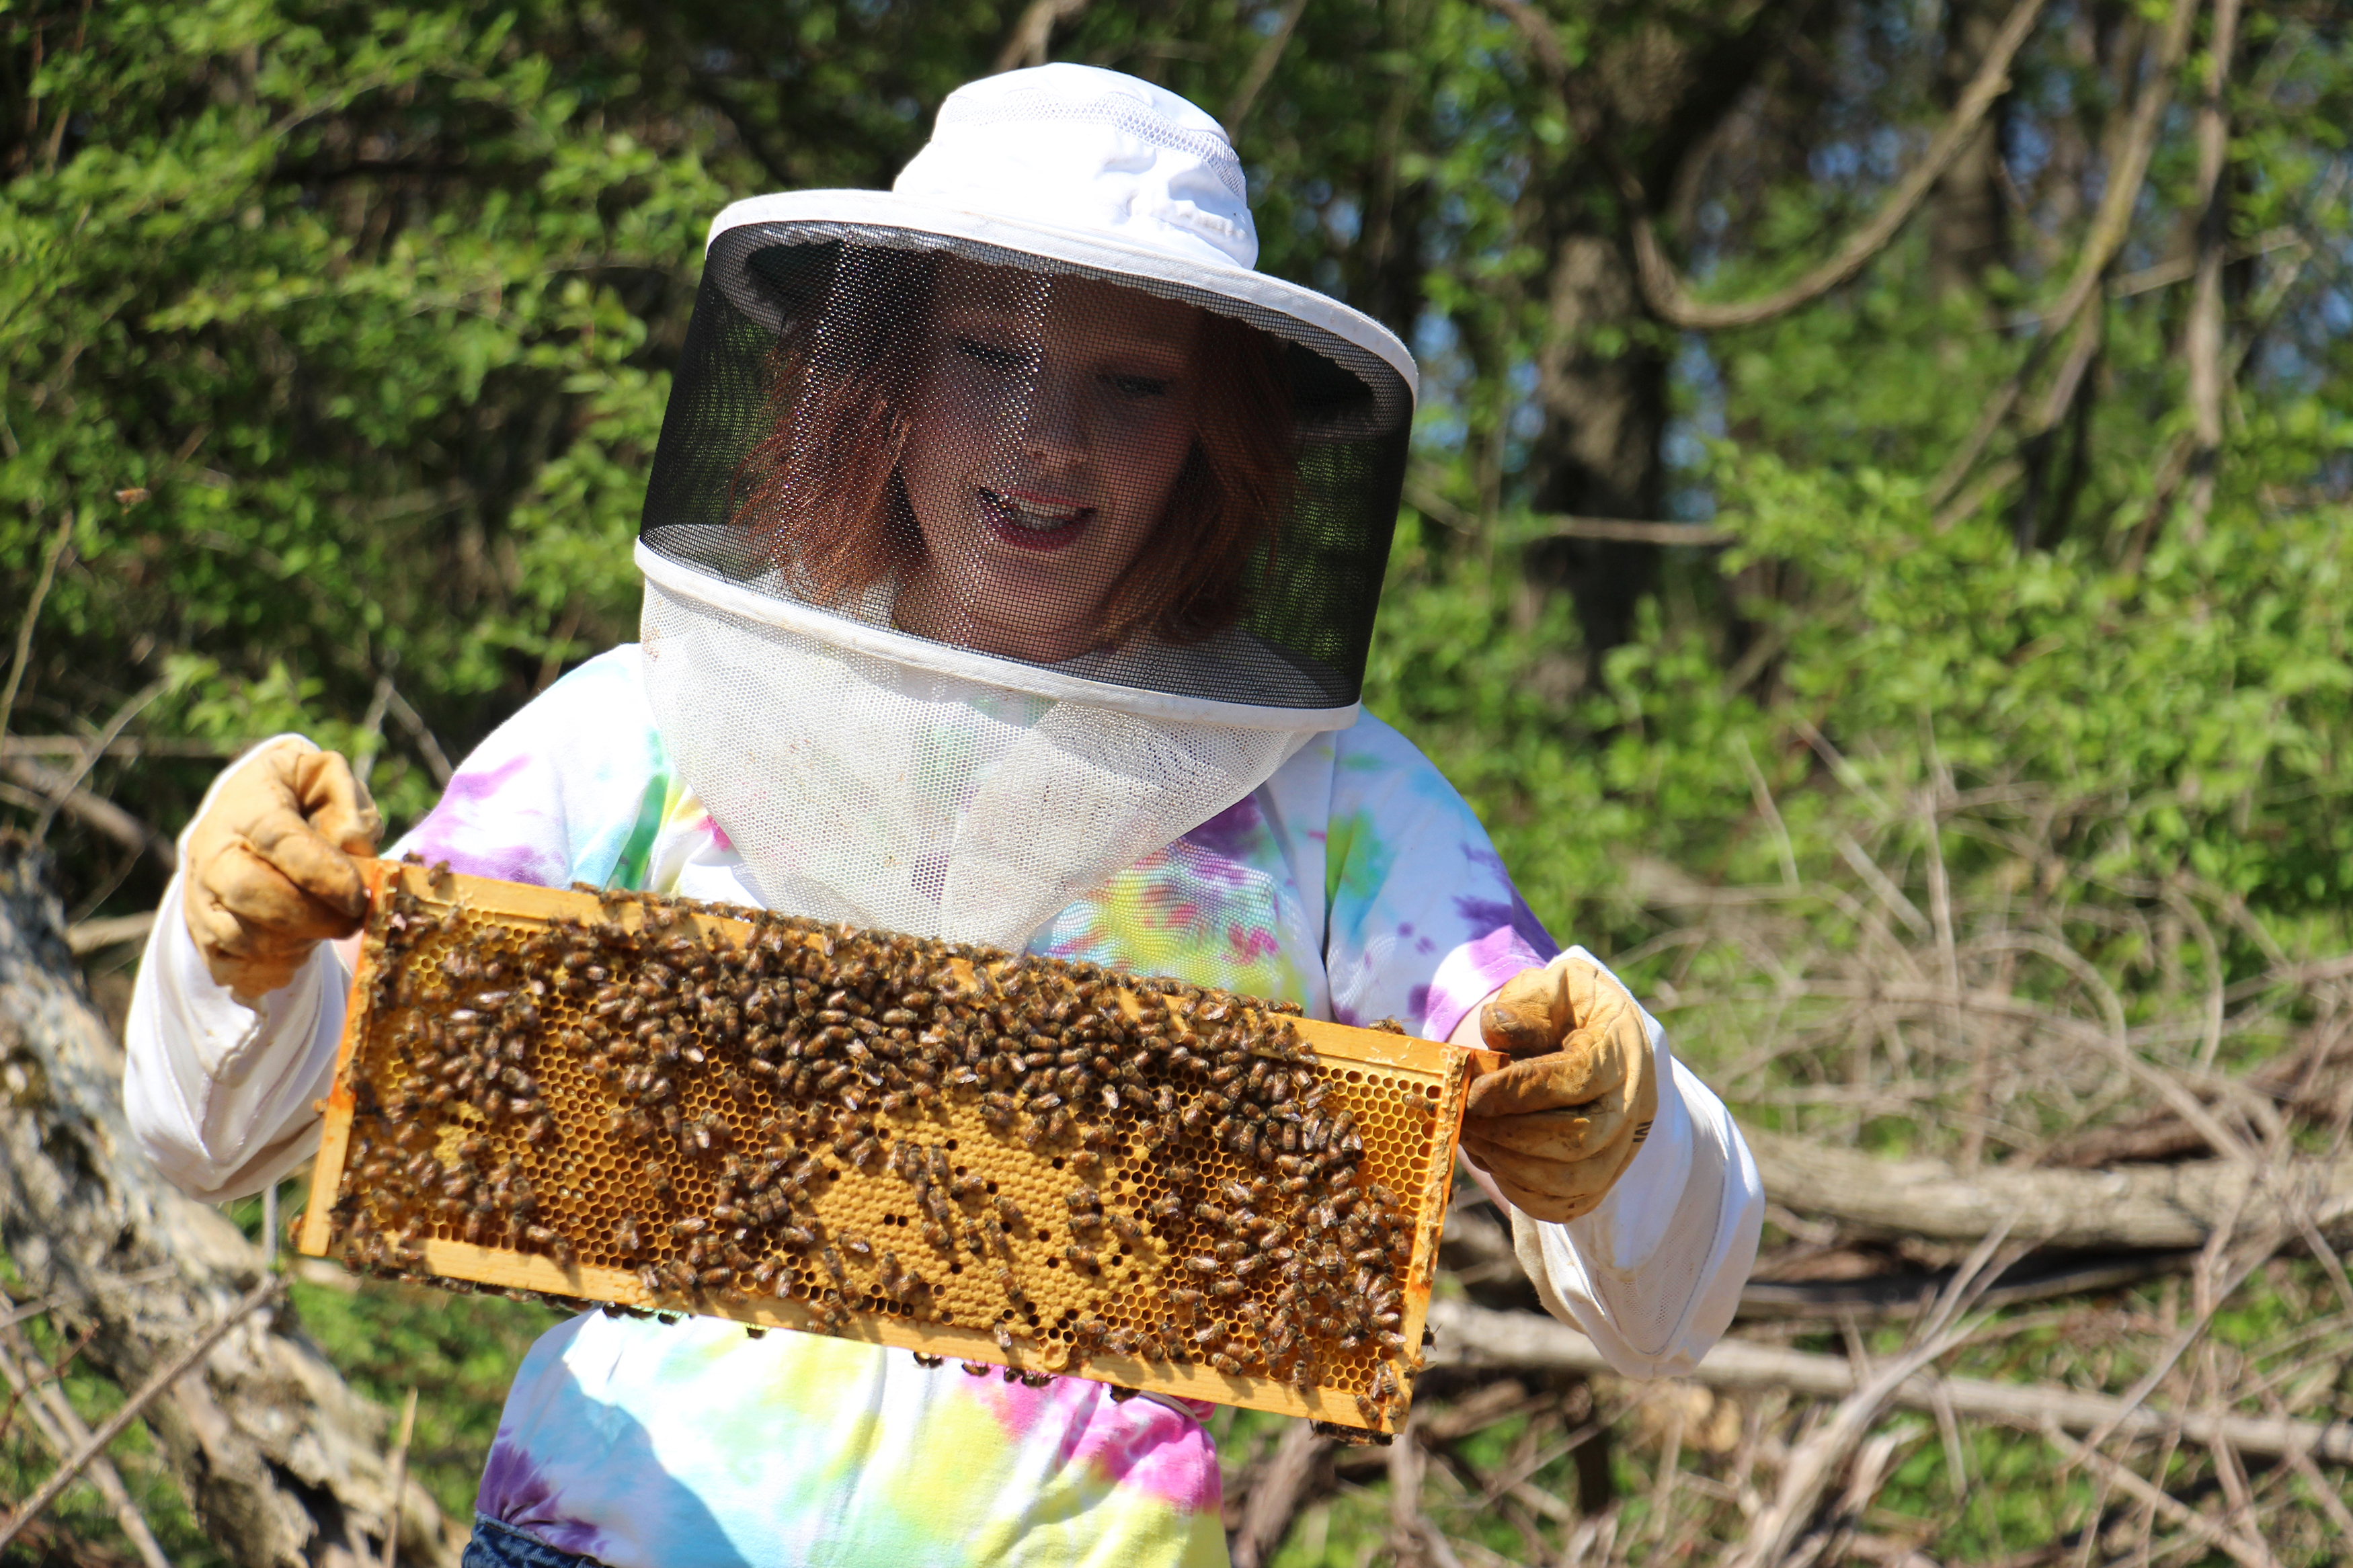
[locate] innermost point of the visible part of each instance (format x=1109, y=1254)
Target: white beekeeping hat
x=1008, y=523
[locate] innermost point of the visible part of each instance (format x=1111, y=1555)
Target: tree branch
x=173, y=1371
x=1026, y=44
x=63, y=1429
x=1472, y=1336
x=101, y=814
x=32, y=615
x=1261, y=67
x=2202, y=333
x=1274, y=1495
x=2112, y=218
x=1668, y=296
x=2155, y=1206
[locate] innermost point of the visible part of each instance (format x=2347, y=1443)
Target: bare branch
x=399, y=1477
x=1693, y=535
x=2239, y=1548
x=2112, y=218
x=33, y=615
x=101, y=814
x=435, y=757
x=2065, y=320
x=1261, y=67
x=63, y=1429
x=1472, y=1336
x=97, y=748
x=171, y=1372
x=2202, y=333
x=124, y=746
x=1026, y=44
x=1667, y=294
x=2155, y=1206
x=86, y=937
x=1275, y=1496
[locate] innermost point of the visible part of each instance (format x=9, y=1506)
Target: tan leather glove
x=267, y=870
x=1560, y=1125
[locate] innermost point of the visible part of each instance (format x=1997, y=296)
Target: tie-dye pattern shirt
x=1355, y=881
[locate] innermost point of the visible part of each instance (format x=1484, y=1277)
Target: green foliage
x=338, y=337
x=330, y=332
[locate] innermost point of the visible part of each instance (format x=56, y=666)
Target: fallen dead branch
x=61, y=1427
x=1905, y=1294
x=1275, y=1493
x=2237, y=1547
x=284, y=1463
x=1816, y=1460
x=1476, y=1337
x=117, y=1424
x=97, y=811
x=86, y=937
x=2152, y=1206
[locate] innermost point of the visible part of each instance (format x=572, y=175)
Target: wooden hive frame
x=1405, y=1096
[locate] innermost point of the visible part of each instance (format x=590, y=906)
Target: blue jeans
x=496, y=1545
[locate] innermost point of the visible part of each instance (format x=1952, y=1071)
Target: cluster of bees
x=749, y=1079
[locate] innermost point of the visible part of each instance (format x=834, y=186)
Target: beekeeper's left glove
x=1560, y=1125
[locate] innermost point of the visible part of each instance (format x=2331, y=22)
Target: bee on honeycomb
x=772, y=1110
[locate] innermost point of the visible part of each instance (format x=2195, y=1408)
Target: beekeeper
x=1010, y=558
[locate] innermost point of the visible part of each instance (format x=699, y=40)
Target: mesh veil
x=972, y=576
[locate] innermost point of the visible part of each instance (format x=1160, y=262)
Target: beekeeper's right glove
x=266, y=869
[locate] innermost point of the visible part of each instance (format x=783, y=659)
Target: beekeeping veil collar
x=1008, y=525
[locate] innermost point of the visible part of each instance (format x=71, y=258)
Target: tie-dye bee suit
x=1353, y=881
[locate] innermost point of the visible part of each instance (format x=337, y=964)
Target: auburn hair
x=824, y=482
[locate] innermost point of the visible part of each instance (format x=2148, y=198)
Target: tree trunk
x=1650, y=97
x=1968, y=231
x=285, y=1465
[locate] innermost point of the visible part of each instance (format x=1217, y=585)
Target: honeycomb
x=670, y=1107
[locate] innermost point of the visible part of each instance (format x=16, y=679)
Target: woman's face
x=1050, y=420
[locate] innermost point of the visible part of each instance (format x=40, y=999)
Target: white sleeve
x=222, y=1096
x=1653, y=1276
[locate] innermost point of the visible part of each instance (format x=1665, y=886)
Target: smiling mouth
x=1032, y=524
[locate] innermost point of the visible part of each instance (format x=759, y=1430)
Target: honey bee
x=1012, y=1286
x=625, y=1236
x=1009, y=1211
x=1084, y=1258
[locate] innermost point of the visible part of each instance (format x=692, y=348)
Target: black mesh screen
x=1117, y=478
